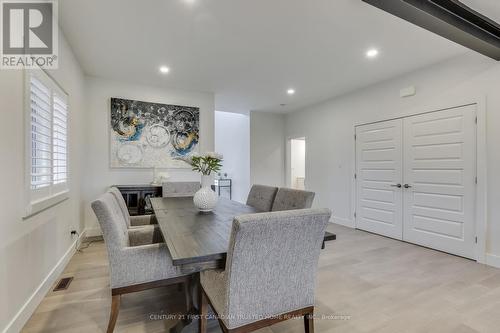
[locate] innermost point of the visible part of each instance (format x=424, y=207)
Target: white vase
x=205, y=199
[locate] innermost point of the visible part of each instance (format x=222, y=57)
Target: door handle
x=407, y=186
x=396, y=185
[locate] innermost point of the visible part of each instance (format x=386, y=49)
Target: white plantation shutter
x=47, y=146
x=60, y=142
x=41, y=134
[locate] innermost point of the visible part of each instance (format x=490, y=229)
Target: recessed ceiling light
x=164, y=69
x=372, y=53
x=290, y=91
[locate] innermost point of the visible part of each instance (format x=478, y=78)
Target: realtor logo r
x=29, y=33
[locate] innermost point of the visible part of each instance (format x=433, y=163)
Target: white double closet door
x=415, y=179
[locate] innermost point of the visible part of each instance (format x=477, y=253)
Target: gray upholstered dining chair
x=136, y=262
x=270, y=271
x=262, y=197
x=180, y=189
x=288, y=198
x=132, y=221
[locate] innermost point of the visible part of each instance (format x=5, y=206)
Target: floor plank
x=366, y=283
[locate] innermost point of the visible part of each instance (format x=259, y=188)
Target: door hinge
x=355, y=136
x=476, y=120
x=355, y=176
x=354, y=214
x=476, y=240
x=475, y=180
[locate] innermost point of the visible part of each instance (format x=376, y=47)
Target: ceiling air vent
x=450, y=19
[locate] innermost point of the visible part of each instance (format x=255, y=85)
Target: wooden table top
x=193, y=236
x=197, y=240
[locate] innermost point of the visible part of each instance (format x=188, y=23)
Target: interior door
x=439, y=170
x=379, y=178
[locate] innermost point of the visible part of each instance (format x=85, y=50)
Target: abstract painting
x=152, y=135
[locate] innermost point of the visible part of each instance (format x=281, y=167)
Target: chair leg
x=309, y=323
x=115, y=308
x=203, y=311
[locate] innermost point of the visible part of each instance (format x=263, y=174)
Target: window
x=47, y=142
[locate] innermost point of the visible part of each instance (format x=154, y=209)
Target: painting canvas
x=152, y=135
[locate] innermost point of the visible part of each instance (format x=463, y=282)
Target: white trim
x=426, y=108
x=492, y=260
x=42, y=204
x=27, y=143
x=29, y=307
x=343, y=221
x=404, y=115
x=353, y=203
x=482, y=184
x=481, y=163
x=288, y=160
x=55, y=193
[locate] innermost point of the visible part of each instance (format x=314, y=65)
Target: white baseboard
x=93, y=232
x=492, y=260
x=29, y=307
x=343, y=221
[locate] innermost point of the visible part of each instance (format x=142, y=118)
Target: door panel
x=439, y=165
x=379, y=165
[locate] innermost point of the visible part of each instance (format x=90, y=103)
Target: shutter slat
x=43, y=150
x=41, y=115
x=40, y=105
x=60, y=131
x=37, y=84
x=49, y=122
x=36, y=124
x=41, y=136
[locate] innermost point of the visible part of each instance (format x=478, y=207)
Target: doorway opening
x=298, y=163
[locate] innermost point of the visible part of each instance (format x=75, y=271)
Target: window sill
x=45, y=203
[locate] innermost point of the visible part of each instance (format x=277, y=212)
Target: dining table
x=198, y=241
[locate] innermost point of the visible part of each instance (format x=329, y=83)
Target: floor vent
x=63, y=284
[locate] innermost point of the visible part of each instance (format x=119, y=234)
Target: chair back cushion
x=121, y=203
x=113, y=225
x=262, y=197
x=271, y=263
x=287, y=199
x=180, y=189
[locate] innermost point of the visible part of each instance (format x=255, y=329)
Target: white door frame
x=288, y=159
x=481, y=166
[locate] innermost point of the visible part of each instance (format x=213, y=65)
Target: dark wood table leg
x=189, y=320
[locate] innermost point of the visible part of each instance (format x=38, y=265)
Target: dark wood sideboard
x=137, y=197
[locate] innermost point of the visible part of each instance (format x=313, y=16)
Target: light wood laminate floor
x=377, y=284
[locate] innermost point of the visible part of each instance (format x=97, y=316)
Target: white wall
x=329, y=128
x=232, y=139
x=98, y=174
x=267, y=148
x=31, y=248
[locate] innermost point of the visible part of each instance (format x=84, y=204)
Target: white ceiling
x=248, y=52
x=489, y=8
